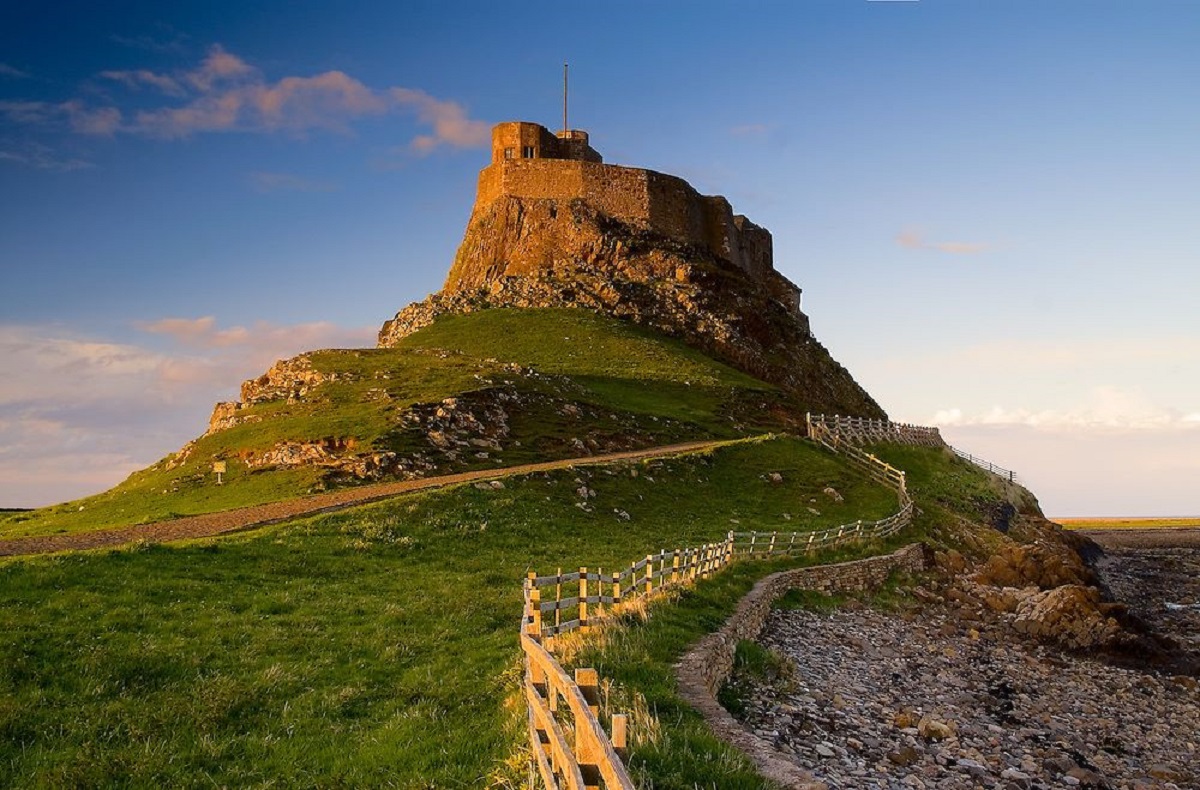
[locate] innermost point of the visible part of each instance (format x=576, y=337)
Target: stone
x=933, y=730
x=905, y=755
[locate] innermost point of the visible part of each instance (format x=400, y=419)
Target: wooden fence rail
x=570, y=746
x=987, y=466
x=836, y=431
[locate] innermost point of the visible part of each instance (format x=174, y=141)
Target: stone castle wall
x=644, y=199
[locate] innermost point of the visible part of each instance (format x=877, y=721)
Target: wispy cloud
x=79, y=413
x=142, y=78
x=449, y=120
x=1107, y=409
x=224, y=93
x=12, y=72
x=911, y=239
x=73, y=114
x=175, y=45
x=41, y=157
x=263, y=336
x=267, y=182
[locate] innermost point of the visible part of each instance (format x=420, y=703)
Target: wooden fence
x=569, y=744
x=987, y=466
x=860, y=430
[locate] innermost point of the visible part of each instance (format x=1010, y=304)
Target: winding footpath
x=244, y=518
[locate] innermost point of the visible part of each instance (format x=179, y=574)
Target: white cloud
x=12, y=72
x=224, y=93
x=172, y=46
x=1107, y=409
x=42, y=158
x=912, y=239
x=73, y=114
x=139, y=78
x=79, y=413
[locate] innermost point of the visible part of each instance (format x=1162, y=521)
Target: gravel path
x=927, y=701
x=260, y=515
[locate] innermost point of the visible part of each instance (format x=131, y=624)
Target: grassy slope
x=641, y=384
x=682, y=753
x=366, y=648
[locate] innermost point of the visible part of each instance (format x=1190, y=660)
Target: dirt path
x=209, y=524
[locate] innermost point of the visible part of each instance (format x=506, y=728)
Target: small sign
x=219, y=468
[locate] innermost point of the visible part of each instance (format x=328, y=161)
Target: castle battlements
x=530, y=162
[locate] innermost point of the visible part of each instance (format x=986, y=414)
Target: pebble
x=925, y=700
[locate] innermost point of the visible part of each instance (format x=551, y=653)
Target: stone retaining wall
x=709, y=663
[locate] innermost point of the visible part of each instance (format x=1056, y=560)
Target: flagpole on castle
x=565, y=127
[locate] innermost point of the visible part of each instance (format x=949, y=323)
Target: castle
x=553, y=226
x=531, y=163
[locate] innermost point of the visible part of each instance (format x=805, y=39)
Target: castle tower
x=524, y=140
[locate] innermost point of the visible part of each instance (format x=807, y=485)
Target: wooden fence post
x=535, y=608
x=620, y=733
x=583, y=606
x=675, y=567
x=587, y=755
x=649, y=573
x=557, y=598
x=616, y=589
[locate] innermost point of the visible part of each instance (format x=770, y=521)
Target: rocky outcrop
x=1071, y=616
x=531, y=253
x=288, y=379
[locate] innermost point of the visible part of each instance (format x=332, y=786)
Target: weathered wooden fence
x=836, y=432
x=570, y=747
x=861, y=430
x=987, y=466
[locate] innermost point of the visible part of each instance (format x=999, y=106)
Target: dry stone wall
x=708, y=665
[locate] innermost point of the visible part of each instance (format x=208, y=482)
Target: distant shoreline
x=1112, y=523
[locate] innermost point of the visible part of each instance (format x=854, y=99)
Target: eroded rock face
x=288, y=379
x=531, y=253
x=1045, y=564
x=335, y=455
x=1071, y=616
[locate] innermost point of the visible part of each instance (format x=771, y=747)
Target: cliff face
x=546, y=252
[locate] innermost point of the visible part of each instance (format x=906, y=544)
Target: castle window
x=508, y=153
x=527, y=151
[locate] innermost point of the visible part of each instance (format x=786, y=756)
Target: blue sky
x=992, y=206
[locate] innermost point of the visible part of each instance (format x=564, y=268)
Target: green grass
x=373, y=647
x=949, y=487
x=626, y=381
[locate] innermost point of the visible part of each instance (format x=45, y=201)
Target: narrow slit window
x=508, y=153
x=527, y=152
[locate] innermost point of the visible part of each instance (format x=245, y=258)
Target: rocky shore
x=943, y=695
x=926, y=700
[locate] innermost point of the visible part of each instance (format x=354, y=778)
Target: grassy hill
x=374, y=647
x=377, y=646
x=568, y=381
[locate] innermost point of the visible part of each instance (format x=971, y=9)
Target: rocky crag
x=641, y=246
